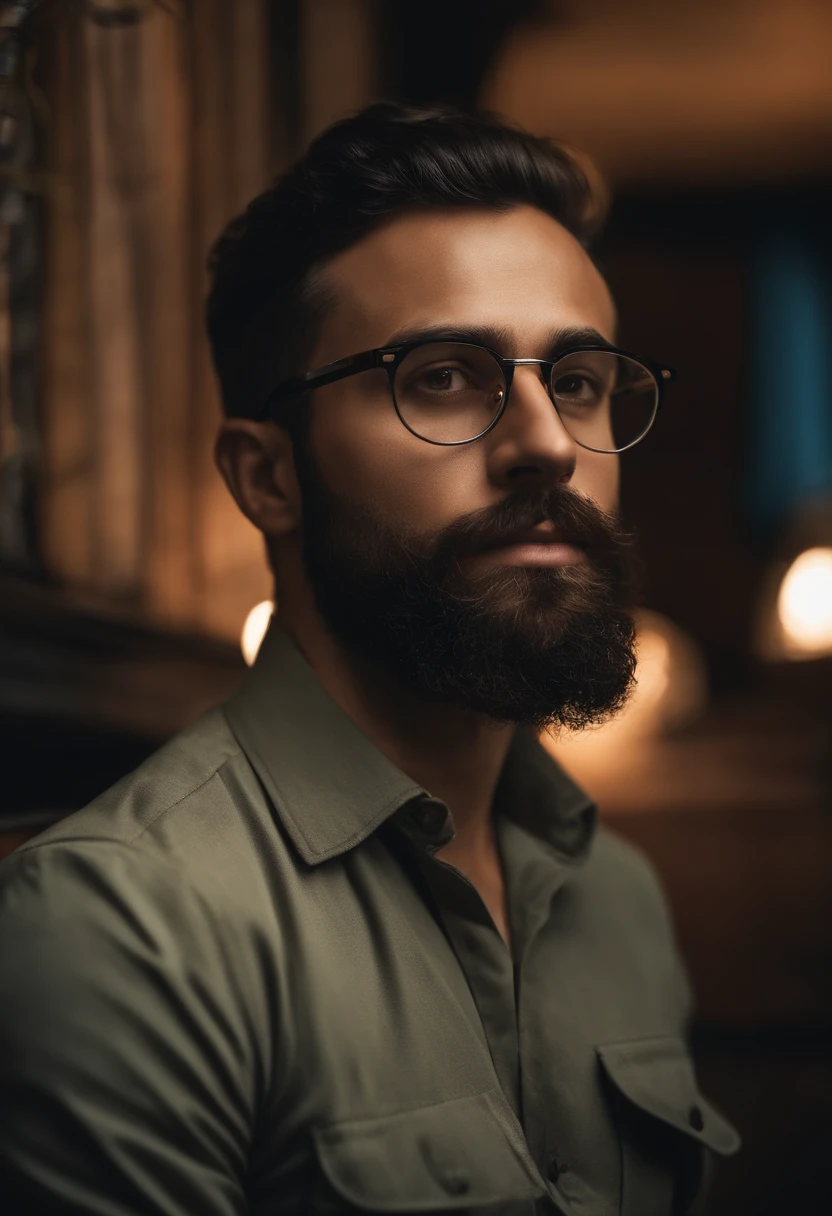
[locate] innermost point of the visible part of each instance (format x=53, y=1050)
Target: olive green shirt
x=240, y=981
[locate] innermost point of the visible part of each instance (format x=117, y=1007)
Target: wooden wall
x=162, y=128
x=160, y=131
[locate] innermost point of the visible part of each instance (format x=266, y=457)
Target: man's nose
x=530, y=443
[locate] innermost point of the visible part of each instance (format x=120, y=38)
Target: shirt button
x=555, y=1169
x=429, y=817
x=455, y=1182
x=696, y=1119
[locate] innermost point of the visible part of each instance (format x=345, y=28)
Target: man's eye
x=444, y=379
x=576, y=387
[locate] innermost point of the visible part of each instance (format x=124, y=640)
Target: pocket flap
x=454, y=1155
x=657, y=1076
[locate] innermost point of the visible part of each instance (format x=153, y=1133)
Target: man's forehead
x=519, y=271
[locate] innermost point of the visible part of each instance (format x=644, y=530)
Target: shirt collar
x=332, y=788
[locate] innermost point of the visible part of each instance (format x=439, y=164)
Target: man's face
x=406, y=542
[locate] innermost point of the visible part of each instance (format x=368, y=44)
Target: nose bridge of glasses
x=541, y=363
x=543, y=374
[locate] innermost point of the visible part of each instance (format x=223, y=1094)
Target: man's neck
x=455, y=755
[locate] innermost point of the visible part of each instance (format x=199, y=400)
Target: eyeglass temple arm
x=327, y=374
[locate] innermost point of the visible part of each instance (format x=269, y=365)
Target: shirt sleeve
x=125, y=1063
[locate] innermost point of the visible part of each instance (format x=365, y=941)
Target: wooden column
x=67, y=541
x=232, y=161
x=159, y=135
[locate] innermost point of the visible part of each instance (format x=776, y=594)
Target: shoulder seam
x=171, y=806
x=37, y=844
x=161, y=863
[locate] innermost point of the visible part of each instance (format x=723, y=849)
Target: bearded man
x=352, y=940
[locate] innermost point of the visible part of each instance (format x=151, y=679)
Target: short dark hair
x=266, y=300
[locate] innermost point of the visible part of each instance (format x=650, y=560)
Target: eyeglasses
x=450, y=393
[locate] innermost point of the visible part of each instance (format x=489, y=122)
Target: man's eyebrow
x=500, y=339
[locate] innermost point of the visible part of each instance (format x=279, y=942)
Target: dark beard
x=536, y=647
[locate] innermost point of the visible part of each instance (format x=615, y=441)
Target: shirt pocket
x=668, y=1130
x=457, y=1156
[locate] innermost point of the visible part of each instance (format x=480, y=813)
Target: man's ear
x=256, y=460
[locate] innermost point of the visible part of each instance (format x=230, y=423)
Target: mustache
x=578, y=520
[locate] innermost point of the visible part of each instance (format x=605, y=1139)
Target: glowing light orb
x=254, y=630
x=804, y=602
x=670, y=691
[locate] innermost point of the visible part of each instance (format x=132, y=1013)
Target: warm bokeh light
x=254, y=630
x=670, y=690
x=804, y=603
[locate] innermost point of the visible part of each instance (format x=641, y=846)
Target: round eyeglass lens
x=606, y=402
x=448, y=392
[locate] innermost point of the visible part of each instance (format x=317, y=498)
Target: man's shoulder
x=132, y=986
x=175, y=862
x=183, y=810
x=625, y=877
x=621, y=858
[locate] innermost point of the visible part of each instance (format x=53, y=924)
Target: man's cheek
x=597, y=478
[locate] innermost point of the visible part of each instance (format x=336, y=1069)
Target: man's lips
x=540, y=545
x=543, y=533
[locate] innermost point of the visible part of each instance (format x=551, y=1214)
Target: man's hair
x=268, y=297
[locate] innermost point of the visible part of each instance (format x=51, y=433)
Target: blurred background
x=131, y=130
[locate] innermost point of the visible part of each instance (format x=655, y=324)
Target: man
x=352, y=941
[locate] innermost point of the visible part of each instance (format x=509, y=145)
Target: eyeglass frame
x=391, y=357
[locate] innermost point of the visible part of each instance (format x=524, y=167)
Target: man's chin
x=527, y=667
x=539, y=693
x=535, y=608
